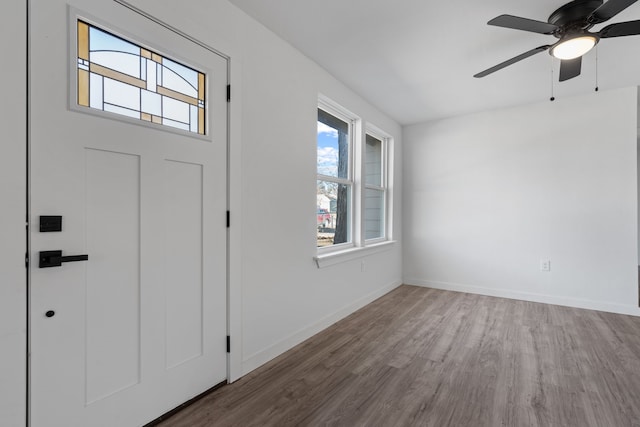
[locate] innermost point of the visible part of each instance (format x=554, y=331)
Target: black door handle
x=55, y=258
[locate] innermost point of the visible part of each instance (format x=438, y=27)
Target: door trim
x=171, y=28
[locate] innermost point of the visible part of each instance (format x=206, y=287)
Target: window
x=335, y=184
x=120, y=77
x=352, y=189
x=375, y=199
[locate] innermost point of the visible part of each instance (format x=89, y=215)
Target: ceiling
x=415, y=59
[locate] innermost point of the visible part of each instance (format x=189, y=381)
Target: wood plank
x=426, y=357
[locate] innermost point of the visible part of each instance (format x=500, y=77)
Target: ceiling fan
x=570, y=24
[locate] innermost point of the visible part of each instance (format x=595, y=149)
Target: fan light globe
x=574, y=47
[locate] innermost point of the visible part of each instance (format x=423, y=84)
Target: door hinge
x=228, y=219
x=228, y=344
x=26, y=260
x=228, y=93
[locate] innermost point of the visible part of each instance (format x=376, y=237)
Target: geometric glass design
x=121, y=77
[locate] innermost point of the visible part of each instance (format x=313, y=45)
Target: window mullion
x=359, y=180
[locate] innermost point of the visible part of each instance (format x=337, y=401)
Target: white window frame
x=352, y=122
x=379, y=135
x=359, y=246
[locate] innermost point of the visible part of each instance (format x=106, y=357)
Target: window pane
x=113, y=52
x=373, y=214
x=121, y=94
x=179, y=78
x=333, y=146
x=333, y=213
x=121, y=77
x=373, y=161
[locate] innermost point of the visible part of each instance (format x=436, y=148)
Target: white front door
x=134, y=161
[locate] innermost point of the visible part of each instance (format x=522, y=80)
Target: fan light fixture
x=569, y=25
x=574, y=47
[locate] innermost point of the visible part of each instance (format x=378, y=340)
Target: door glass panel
x=121, y=77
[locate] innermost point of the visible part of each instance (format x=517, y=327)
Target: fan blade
x=630, y=28
x=570, y=68
x=608, y=10
x=524, y=24
x=511, y=61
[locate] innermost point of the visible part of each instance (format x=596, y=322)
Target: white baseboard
x=631, y=310
x=260, y=358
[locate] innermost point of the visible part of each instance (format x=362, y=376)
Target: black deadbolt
x=50, y=223
x=50, y=313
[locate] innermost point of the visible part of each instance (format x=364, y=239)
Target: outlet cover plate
x=545, y=265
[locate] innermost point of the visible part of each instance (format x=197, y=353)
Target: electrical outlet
x=362, y=267
x=545, y=265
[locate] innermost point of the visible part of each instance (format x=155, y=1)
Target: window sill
x=333, y=258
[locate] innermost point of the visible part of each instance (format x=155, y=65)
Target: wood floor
x=423, y=357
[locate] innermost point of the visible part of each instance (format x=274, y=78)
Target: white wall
x=488, y=195
x=285, y=297
x=12, y=215
x=278, y=295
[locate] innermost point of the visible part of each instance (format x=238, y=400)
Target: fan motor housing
x=574, y=13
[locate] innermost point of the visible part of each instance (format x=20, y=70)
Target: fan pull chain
x=597, y=68
x=553, y=98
